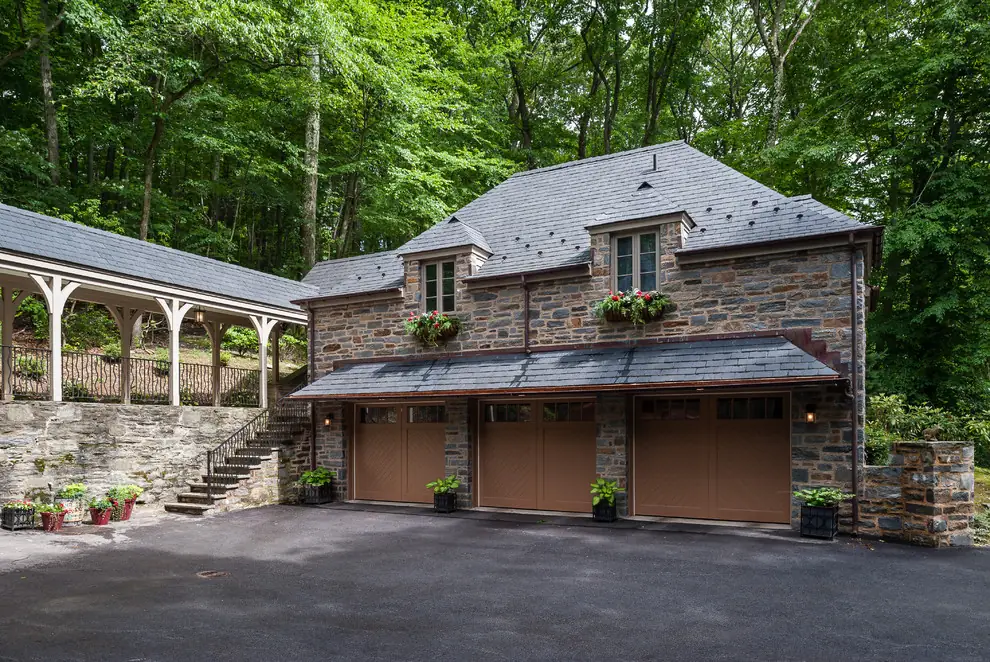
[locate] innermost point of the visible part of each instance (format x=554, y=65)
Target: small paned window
x=438, y=280
x=508, y=413
x=668, y=409
x=428, y=414
x=375, y=415
x=560, y=412
x=754, y=409
x=636, y=259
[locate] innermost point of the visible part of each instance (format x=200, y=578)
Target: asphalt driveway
x=310, y=584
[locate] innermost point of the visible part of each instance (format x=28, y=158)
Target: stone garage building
x=752, y=387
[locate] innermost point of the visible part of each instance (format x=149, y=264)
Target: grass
x=982, y=487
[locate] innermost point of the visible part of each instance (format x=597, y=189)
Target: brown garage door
x=397, y=451
x=537, y=455
x=713, y=457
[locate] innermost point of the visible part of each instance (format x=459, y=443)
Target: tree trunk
x=311, y=166
x=51, y=120
x=776, y=101
x=585, y=119
x=149, y=174
x=522, y=111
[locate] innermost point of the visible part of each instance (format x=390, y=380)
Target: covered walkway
x=62, y=261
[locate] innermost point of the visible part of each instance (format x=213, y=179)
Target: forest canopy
x=276, y=133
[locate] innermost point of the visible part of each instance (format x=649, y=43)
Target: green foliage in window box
x=822, y=497
x=432, y=328
x=444, y=485
x=603, y=490
x=635, y=306
x=317, y=477
x=29, y=367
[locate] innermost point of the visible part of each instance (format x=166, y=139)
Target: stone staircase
x=244, y=471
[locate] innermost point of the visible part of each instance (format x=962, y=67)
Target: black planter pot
x=14, y=519
x=316, y=494
x=445, y=503
x=604, y=512
x=819, y=522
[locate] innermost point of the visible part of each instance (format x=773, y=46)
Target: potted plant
x=603, y=500
x=71, y=498
x=444, y=494
x=820, y=511
x=317, y=486
x=100, y=510
x=52, y=516
x=637, y=307
x=432, y=328
x=17, y=515
x=124, y=497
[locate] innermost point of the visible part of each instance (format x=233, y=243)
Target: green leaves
x=822, y=497
x=444, y=485
x=604, y=490
x=317, y=477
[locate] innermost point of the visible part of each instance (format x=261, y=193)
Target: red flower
x=647, y=297
x=615, y=298
x=437, y=325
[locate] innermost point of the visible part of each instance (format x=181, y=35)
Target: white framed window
x=438, y=286
x=636, y=259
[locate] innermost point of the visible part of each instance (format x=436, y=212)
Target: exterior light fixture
x=809, y=414
x=200, y=316
x=328, y=420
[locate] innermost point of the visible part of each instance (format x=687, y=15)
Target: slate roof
x=737, y=361
x=363, y=274
x=451, y=233
x=537, y=220
x=32, y=234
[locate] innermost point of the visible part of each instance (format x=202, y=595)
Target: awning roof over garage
x=760, y=360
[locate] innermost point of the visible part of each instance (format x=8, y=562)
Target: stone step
x=187, y=508
x=202, y=487
x=199, y=497
x=242, y=459
x=240, y=473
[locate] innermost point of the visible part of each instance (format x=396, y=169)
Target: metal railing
x=97, y=378
x=232, y=460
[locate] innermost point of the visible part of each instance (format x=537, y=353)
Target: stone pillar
x=458, y=448
x=8, y=308
x=125, y=317
x=612, y=444
x=331, y=446
x=174, y=311
x=56, y=291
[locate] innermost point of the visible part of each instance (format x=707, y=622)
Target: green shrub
x=225, y=358
x=29, y=367
x=604, y=490
x=112, y=352
x=241, y=340
x=981, y=527
x=73, y=390
x=317, y=477
x=293, y=348
x=163, y=363
x=71, y=491
x=34, y=311
x=822, y=497
x=444, y=485
x=87, y=325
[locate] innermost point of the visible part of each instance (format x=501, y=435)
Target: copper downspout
x=525, y=288
x=854, y=379
x=311, y=377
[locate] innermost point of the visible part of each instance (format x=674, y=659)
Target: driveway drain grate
x=210, y=574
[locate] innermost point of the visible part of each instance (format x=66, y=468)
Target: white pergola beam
x=215, y=330
x=125, y=317
x=56, y=291
x=174, y=311
x=263, y=325
x=9, y=302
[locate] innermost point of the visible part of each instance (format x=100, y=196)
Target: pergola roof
x=27, y=234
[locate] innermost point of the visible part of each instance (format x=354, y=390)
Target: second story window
x=438, y=278
x=636, y=259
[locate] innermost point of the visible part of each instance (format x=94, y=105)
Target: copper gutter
x=854, y=378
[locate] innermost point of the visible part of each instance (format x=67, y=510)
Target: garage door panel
x=378, y=463
x=672, y=464
x=568, y=464
x=752, y=472
x=424, y=461
x=508, y=465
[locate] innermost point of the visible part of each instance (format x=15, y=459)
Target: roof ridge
x=99, y=232
x=595, y=159
x=363, y=256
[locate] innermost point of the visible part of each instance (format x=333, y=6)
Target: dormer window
x=438, y=278
x=636, y=259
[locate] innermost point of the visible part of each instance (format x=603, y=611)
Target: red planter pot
x=100, y=517
x=52, y=522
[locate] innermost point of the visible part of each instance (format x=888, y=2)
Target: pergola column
x=125, y=317
x=56, y=291
x=263, y=325
x=216, y=331
x=9, y=302
x=174, y=311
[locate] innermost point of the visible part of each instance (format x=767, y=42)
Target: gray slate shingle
x=537, y=220
x=738, y=360
x=28, y=233
x=357, y=275
x=451, y=233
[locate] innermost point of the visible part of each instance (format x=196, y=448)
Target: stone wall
x=159, y=448
x=612, y=446
x=924, y=497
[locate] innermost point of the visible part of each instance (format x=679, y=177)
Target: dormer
x=439, y=258
x=636, y=233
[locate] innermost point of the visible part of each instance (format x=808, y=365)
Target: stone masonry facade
x=159, y=448
x=804, y=294
x=924, y=496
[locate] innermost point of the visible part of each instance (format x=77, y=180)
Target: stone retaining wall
x=156, y=447
x=924, y=497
